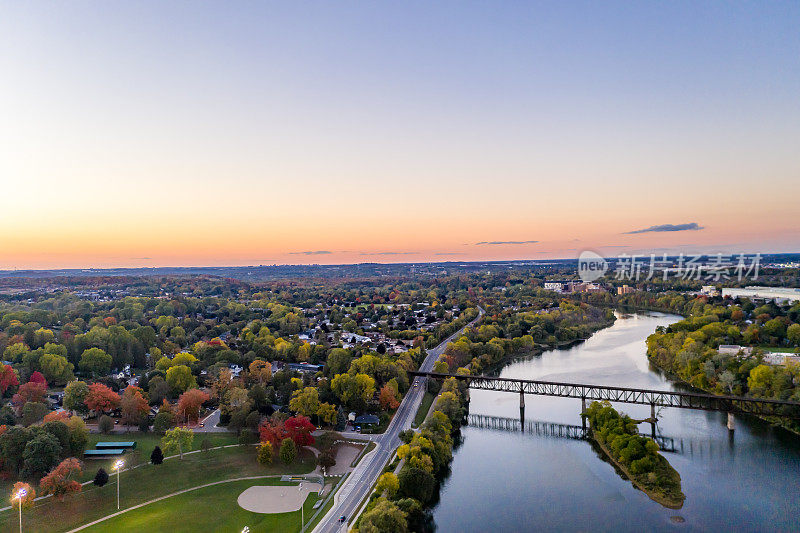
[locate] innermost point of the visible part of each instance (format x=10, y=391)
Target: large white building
x=780, y=294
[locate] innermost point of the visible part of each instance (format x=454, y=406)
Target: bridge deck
x=684, y=400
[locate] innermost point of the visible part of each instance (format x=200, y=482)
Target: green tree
x=180, y=378
x=177, y=439
x=78, y=436
x=288, y=451
x=305, y=401
x=41, y=454
x=793, y=334
x=416, y=483
x=385, y=517
x=95, y=361
x=56, y=369
x=75, y=396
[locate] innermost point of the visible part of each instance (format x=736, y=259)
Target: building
x=709, y=290
x=734, y=349
x=625, y=289
x=779, y=358
x=779, y=294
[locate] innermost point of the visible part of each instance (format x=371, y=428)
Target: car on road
x=342, y=519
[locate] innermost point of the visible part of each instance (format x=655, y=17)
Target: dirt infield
x=275, y=498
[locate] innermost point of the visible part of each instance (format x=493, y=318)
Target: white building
x=779, y=294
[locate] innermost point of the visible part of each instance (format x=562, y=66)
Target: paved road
x=360, y=481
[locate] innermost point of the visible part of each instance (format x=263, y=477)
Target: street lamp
x=21, y=493
x=118, y=467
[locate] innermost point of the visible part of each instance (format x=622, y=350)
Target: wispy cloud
x=388, y=253
x=691, y=226
x=503, y=242
x=450, y=253
x=141, y=258
x=312, y=252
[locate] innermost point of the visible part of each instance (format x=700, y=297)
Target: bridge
x=551, y=429
x=653, y=398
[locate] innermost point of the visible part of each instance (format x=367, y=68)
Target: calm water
x=507, y=481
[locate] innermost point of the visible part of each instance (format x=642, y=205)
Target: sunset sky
x=210, y=133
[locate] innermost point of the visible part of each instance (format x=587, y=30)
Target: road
x=360, y=482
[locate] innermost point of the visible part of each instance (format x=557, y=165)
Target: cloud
x=504, y=242
x=141, y=258
x=313, y=252
x=450, y=253
x=388, y=253
x=691, y=226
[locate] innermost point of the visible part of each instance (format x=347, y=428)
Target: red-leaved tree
x=8, y=378
x=38, y=377
x=299, y=429
x=101, y=399
x=272, y=433
x=60, y=481
x=189, y=404
x=28, y=392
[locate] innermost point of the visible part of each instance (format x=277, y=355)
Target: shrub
x=100, y=478
x=157, y=457
x=105, y=424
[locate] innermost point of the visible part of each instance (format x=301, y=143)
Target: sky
x=245, y=133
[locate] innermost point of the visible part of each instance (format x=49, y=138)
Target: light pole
x=18, y=496
x=118, y=467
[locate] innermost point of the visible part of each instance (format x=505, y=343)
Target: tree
x=385, y=517
x=133, y=405
x=158, y=390
x=355, y=391
x=78, y=435
x=305, y=401
x=60, y=481
x=189, y=404
x=157, y=457
x=387, y=485
x=180, y=378
x=327, y=413
x=388, y=398
x=272, y=432
x=38, y=377
x=28, y=392
x=326, y=459
x=179, y=439
x=260, y=371
x=792, y=333
x=299, y=429
x=449, y=404
x=101, y=399
x=100, y=478
x=8, y=378
x=12, y=445
x=288, y=451
x=416, y=483
x=163, y=421
x=56, y=368
x=105, y=424
x=95, y=361
x=41, y=454
x=26, y=501
x=264, y=454
x=75, y=396
x=33, y=412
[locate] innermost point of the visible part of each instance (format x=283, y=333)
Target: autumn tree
x=260, y=371
x=75, y=396
x=326, y=413
x=272, y=432
x=305, y=401
x=388, y=397
x=355, y=391
x=56, y=368
x=387, y=485
x=61, y=480
x=27, y=393
x=8, y=378
x=264, y=454
x=299, y=429
x=133, y=405
x=101, y=399
x=189, y=404
x=384, y=517
x=25, y=501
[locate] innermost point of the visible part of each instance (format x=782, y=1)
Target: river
x=508, y=481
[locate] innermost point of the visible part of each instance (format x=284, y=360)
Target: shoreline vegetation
x=635, y=456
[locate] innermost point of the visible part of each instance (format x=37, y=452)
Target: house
x=734, y=349
x=366, y=420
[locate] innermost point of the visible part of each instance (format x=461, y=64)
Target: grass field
x=208, y=509
x=148, y=482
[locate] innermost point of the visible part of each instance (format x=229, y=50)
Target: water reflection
x=514, y=481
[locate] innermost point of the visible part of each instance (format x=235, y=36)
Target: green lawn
x=208, y=509
x=145, y=442
x=148, y=482
x=422, y=412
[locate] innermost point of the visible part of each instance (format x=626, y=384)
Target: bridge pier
x=583, y=413
x=522, y=410
x=730, y=421
x=653, y=420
